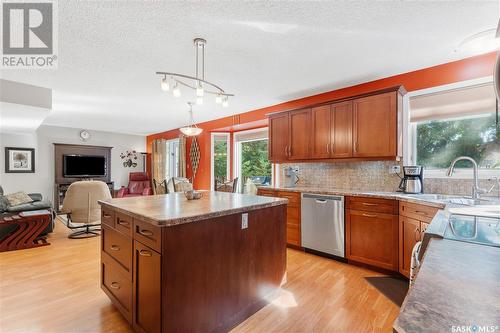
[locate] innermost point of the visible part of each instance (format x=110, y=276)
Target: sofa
x=36, y=204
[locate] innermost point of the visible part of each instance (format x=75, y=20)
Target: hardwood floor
x=56, y=289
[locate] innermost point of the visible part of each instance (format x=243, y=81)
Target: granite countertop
x=458, y=285
x=173, y=209
x=423, y=199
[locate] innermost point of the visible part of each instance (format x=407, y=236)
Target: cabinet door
x=375, y=126
x=409, y=235
x=299, y=132
x=341, y=130
x=320, y=132
x=278, y=137
x=372, y=238
x=147, y=289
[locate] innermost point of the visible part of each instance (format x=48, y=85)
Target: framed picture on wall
x=19, y=160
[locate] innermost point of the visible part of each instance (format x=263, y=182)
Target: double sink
x=470, y=220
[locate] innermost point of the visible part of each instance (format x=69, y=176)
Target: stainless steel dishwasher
x=323, y=223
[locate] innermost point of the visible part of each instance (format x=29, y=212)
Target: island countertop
x=174, y=209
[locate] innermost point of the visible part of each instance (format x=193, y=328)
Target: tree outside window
x=441, y=141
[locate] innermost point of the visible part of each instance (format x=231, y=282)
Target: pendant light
x=198, y=83
x=191, y=129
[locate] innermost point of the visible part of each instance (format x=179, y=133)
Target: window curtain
x=159, y=160
x=182, y=156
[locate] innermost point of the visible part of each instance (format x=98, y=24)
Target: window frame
x=212, y=166
x=410, y=132
x=172, y=164
x=237, y=153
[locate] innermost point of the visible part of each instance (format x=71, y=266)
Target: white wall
x=42, y=140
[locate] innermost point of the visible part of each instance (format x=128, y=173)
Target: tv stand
x=62, y=183
x=60, y=193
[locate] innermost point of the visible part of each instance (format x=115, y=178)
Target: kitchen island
x=173, y=265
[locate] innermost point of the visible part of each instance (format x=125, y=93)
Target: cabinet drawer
x=266, y=192
x=293, y=198
x=107, y=216
x=416, y=211
x=117, y=285
x=118, y=246
x=123, y=223
x=148, y=234
x=373, y=205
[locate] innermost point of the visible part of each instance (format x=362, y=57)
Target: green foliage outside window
x=441, y=141
x=254, y=159
x=220, y=160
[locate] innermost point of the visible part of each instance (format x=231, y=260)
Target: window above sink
x=455, y=122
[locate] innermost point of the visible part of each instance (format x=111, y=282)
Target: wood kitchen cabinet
x=372, y=232
x=278, y=137
x=367, y=126
x=375, y=125
x=413, y=221
x=147, y=289
x=331, y=131
x=293, y=214
x=300, y=126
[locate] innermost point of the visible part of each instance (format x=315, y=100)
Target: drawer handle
x=417, y=234
x=145, y=232
x=145, y=253
x=123, y=222
x=369, y=204
x=115, y=285
x=369, y=215
x=421, y=212
x=106, y=215
x=115, y=248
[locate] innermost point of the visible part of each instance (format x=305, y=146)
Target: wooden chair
x=229, y=186
x=160, y=187
x=181, y=184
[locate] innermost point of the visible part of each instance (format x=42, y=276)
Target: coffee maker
x=412, y=181
x=290, y=177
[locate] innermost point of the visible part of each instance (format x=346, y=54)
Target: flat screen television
x=84, y=166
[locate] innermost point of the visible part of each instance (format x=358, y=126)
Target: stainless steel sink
x=473, y=229
x=457, y=200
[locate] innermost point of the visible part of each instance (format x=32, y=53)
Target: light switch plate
x=244, y=220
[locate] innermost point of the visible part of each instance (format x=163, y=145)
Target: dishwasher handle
x=321, y=201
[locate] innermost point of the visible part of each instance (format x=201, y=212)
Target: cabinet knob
x=115, y=285
x=145, y=232
x=123, y=222
x=145, y=253
x=115, y=247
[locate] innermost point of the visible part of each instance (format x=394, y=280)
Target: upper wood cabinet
x=375, y=126
x=300, y=125
x=278, y=137
x=362, y=127
x=320, y=132
x=341, y=130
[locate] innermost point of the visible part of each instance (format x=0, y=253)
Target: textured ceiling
x=264, y=52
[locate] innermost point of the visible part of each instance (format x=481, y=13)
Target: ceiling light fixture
x=482, y=42
x=197, y=82
x=191, y=129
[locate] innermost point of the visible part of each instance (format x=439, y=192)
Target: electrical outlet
x=244, y=220
x=394, y=169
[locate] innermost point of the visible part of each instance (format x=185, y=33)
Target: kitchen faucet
x=476, y=190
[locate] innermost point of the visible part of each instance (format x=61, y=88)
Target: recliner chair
x=81, y=206
x=139, y=184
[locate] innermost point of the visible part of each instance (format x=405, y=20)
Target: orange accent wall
x=461, y=70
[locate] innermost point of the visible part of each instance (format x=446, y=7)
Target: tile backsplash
x=375, y=176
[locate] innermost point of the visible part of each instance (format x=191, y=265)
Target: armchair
x=139, y=184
